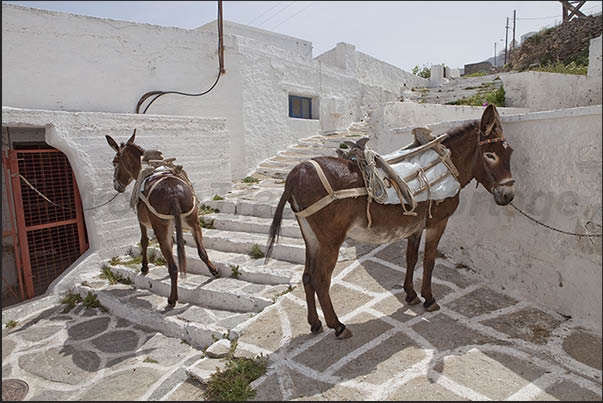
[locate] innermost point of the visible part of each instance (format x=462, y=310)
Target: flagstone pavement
x=483, y=344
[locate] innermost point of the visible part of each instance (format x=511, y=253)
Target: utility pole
x=494, y=53
x=506, y=38
x=221, y=37
x=514, y=19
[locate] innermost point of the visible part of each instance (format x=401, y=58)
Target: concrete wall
x=386, y=120
x=594, y=57
x=557, y=165
x=200, y=145
x=478, y=67
x=541, y=91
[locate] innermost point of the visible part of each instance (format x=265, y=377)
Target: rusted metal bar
x=221, y=37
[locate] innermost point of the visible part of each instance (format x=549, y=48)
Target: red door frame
x=22, y=228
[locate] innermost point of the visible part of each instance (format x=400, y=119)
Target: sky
x=402, y=33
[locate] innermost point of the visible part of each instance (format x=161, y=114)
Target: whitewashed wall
x=386, y=119
x=557, y=165
x=541, y=91
x=201, y=146
x=59, y=61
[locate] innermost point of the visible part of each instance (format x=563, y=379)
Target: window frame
x=301, y=99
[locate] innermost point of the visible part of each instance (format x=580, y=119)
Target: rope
x=555, y=229
x=57, y=205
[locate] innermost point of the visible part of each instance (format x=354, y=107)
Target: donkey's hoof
x=342, y=332
x=315, y=329
x=144, y=271
x=171, y=304
x=216, y=274
x=431, y=307
x=416, y=300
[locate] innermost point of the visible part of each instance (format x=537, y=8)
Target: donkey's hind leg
x=193, y=223
x=163, y=231
x=412, y=255
x=432, y=238
x=321, y=281
x=313, y=320
x=144, y=243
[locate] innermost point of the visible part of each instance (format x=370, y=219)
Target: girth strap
x=331, y=196
x=145, y=200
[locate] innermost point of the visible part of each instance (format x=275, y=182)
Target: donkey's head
x=126, y=163
x=492, y=159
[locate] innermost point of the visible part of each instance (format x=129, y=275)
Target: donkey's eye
x=491, y=156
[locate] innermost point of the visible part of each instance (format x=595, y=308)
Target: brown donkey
x=170, y=197
x=478, y=150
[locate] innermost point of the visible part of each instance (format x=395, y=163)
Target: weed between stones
x=250, y=179
x=232, y=383
x=209, y=224
x=10, y=324
x=256, y=252
x=205, y=209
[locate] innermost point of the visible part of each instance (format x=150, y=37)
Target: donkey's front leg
x=432, y=238
x=144, y=243
x=412, y=255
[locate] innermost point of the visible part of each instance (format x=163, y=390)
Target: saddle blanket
x=442, y=184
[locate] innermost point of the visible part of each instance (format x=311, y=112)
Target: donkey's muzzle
x=503, y=195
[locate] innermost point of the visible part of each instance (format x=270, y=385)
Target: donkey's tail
x=275, y=227
x=176, y=212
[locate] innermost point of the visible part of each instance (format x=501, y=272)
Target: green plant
x=209, y=224
x=256, y=252
x=150, y=360
x=250, y=179
x=114, y=261
x=423, y=71
x=343, y=146
x=235, y=271
x=10, y=324
x=232, y=383
x=217, y=197
x=113, y=278
x=71, y=299
x=560, y=67
x=205, y=209
x=482, y=98
x=92, y=302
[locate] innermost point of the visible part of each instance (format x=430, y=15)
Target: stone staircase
x=278, y=167
x=455, y=89
x=210, y=309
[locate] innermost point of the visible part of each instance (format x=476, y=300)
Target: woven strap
x=331, y=196
x=145, y=200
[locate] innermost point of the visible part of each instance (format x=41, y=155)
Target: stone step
x=311, y=151
x=273, y=172
x=195, y=325
x=288, y=249
x=224, y=293
x=249, y=207
x=290, y=155
x=291, y=250
x=234, y=222
x=238, y=265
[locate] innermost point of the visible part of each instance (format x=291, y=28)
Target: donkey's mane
x=458, y=133
x=136, y=147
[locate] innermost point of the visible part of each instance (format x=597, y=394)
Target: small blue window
x=300, y=107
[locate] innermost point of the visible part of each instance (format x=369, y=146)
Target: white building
x=68, y=80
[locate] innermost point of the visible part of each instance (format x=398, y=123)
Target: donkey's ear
x=489, y=120
x=112, y=143
x=131, y=139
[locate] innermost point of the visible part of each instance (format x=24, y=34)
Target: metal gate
x=50, y=237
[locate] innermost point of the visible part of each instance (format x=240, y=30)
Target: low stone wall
x=201, y=145
x=541, y=91
x=557, y=167
x=387, y=118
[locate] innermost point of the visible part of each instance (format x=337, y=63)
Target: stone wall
x=594, y=57
x=541, y=91
x=557, y=167
x=478, y=68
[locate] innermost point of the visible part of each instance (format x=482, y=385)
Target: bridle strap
x=491, y=178
x=493, y=140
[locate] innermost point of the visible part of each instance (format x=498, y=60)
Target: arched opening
x=44, y=230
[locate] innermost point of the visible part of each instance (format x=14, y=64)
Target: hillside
x=564, y=43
